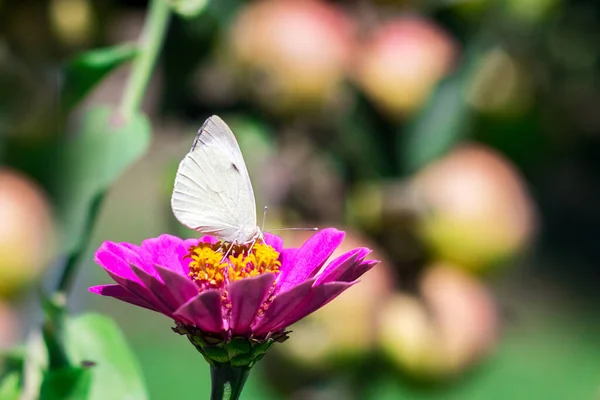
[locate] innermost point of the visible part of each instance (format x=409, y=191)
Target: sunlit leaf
x=115, y=373
x=72, y=383
x=188, y=8
x=95, y=344
x=90, y=162
x=10, y=388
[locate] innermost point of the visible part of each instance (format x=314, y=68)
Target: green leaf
x=237, y=346
x=67, y=384
x=116, y=373
x=445, y=120
x=94, y=343
x=188, y=8
x=13, y=356
x=10, y=388
x=442, y=124
x=361, y=150
x=90, y=162
x=86, y=70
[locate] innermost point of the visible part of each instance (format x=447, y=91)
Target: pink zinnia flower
x=232, y=309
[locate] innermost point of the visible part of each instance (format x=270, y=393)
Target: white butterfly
x=213, y=193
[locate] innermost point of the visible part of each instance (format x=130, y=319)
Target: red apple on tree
x=400, y=63
x=296, y=52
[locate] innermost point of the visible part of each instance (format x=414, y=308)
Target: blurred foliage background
x=459, y=139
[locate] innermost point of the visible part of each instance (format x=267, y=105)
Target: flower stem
x=150, y=43
x=227, y=382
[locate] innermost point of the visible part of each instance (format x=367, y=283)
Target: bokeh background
x=457, y=138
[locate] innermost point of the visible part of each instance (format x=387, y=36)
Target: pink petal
x=202, y=311
x=187, y=243
x=247, y=295
x=310, y=258
x=131, y=246
x=341, y=265
x=282, y=305
x=138, y=289
x=357, y=271
x=274, y=241
x=161, y=293
x=181, y=287
x=122, y=294
x=318, y=297
x=115, y=263
x=286, y=256
x=167, y=251
x=207, y=239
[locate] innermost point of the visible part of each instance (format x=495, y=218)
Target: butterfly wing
x=213, y=193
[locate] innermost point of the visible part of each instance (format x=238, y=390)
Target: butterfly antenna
x=283, y=229
x=264, y=218
x=295, y=229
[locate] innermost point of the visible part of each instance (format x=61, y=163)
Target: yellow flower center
x=209, y=268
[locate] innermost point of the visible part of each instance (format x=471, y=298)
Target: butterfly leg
x=252, y=245
x=228, y=251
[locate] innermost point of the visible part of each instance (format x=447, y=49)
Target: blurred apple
x=399, y=65
x=295, y=51
x=501, y=86
x=26, y=232
x=450, y=327
x=478, y=211
x=464, y=312
x=408, y=339
x=72, y=21
x=345, y=329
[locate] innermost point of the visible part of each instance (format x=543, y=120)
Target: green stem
x=227, y=382
x=69, y=271
x=150, y=43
